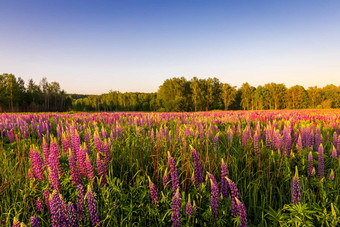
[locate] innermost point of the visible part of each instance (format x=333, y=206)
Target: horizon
x=133, y=46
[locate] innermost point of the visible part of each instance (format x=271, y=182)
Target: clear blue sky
x=134, y=45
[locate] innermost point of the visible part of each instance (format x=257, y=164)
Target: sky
x=91, y=47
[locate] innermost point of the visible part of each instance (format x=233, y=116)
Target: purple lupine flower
x=153, y=192
x=189, y=209
x=102, y=172
x=57, y=210
x=35, y=221
x=166, y=179
x=197, y=168
x=331, y=175
x=47, y=199
x=176, y=208
x=296, y=189
x=234, y=194
x=174, y=173
x=54, y=156
x=242, y=212
x=321, y=162
x=216, y=138
x=317, y=137
x=91, y=201
x=214, y=195
x=80, y=202
x=87, y=138
x=224, y=183
x=310, y=163
x=54, y=178
x=39, y=205
x=89, y=168
x=71, y=215
x=73, y=167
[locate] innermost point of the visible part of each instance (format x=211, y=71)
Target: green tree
x=228, y=95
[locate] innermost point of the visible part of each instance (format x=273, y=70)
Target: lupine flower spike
x=296, y=189
x=153, y=192
x=176, y=207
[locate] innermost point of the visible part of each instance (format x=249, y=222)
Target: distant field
x=235, y=168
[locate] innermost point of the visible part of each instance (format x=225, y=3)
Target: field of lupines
x=255, y=168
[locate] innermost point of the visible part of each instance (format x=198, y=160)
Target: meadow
x=225, y=168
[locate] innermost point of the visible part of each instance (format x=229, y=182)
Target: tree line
x=175, y=94
x=179, y=94
x=15, y=96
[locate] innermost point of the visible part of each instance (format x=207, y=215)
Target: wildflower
x=234, y=194
x=242, y=212
x=35, y=221
x=39, y=205
x=80, y=202
x=174, y=173
x=176, y=206
x=310, y=163
x=73, y=167
x=92, y=207
x=331, y=175
x=321, y=162
x=188, y=209
x=296, y=189
x=57, y=212
x=71, y=215
x=224, y=183
x=197, y=168
x=89, y=168
x=153, y=192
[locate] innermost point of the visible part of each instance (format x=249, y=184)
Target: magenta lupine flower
x=334, y=153
x=189, y=209
x=224, y=183
x=310, y=163
x=17, y=223
x=242, y=212
x=176, y=208
x=234, y=194
x=35, y=221
x=54, y=156
x=65, y=143
x=57, y=210
x=54, y=178
x=197, y=168
x=81, y=159
x=313, y=172
x=46, y=151
x=299, y=143
x=80, y=202
x=91, y=201
x=71, y=215
x=153, y=192
x=331, y=175
x=296, y=189
x=174, y=173
x=97, y=142
x=106, y=151
x=166, y=179
x=39, y=205
x=321, y=162
x=47, y=199
x=36, y=163
x=214, y=195
x=73, y=167
x=89, y=168
x=102, y=172
x=10, y=135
